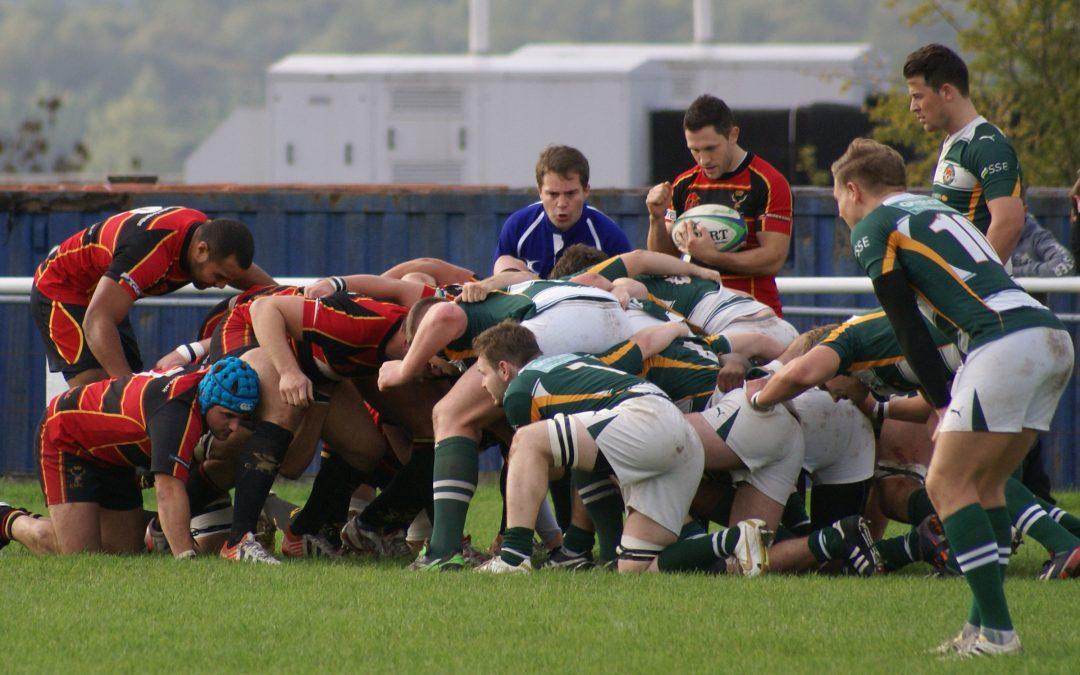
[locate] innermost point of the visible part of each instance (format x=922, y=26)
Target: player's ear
x=201, y=252
x=733, y=135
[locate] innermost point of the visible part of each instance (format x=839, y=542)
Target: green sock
x=783, y=534
x=1002, y=526
x=975, y=546
x=517, y=545
x=794, y=517
x=1029, y=517
x=692, y=529
x=604, y=504
x=899, y=552
x=1062, y=517
x=918, y=506
x=457, y=468
x=827, y=544
x=698, y=552
x=577, y=540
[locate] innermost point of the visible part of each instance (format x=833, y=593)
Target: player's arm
x=444, y=272
x=253, y=276
x=662, y=265
x=920, y=350
x=655, y=339
x=477, y=291
x=907, y=409
x=765, y=260
x=658, y=201
x=807, y=371
x=402, y=292
x=1006, y=224
x=184, y=354
x=174, y=513
x=108, y=308
x=755, y=346
x=443, y=323
x=275, y=319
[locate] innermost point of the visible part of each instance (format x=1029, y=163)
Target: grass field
x=100, y=613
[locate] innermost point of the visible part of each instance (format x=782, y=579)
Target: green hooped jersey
x=520, y=302
x=976, y=164
x=677, y=293
x=868, y=349
x=960, y=283
x=570, y=383
x=686, y=370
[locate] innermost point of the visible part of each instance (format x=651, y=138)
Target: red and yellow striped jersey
x=143, y=250
x=148, y=419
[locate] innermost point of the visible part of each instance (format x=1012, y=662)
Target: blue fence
x=313, y=232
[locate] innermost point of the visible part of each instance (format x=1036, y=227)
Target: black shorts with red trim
x=67, y=478
x=61, y=327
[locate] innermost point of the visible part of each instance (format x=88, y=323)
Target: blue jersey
x=528, y=234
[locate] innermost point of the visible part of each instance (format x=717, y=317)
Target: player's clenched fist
x=295, y=389
x=658, y=199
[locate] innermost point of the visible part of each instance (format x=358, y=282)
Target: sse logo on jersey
x=861, y=246
x=991, y=169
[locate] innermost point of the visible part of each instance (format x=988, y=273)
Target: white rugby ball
x=722, y=224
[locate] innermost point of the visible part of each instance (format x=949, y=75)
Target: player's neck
x=737, y=159
x=963, y=115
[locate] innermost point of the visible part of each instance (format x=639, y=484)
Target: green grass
x=101, y=613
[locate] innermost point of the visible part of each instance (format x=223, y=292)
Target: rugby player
x=729, y=175
x=701, y=299
x=572, y=410
x=84, y=290
x=978, y=171
x=534, y=237
x=918, y=251
x=94, y=436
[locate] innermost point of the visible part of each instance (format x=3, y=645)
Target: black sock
x=255, y=474
x=330, y=494
x=202, y=491
x=562, y=498
x=408, y=493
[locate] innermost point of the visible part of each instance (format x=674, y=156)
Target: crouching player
x=573, y=411
x=92, y=439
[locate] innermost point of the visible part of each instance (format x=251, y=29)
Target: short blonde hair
x=872, y=165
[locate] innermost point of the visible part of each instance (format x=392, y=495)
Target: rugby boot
x=473, y=556
x=981, y=646
x=934, y=547
x=1064, y=565
x=307, y=545
x=395, y=545
x=426, y=563
x=752, y=551
x=563, y=559
x=361, y=539
x=500, y=566
x=248, y=550
x=957, y=643
x=862, y=557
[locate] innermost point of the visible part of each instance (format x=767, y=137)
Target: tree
x=28, y=148
x=1025, y=78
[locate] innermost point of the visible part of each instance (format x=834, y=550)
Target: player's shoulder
x=686, y=177
x=598, y=217
x=766, y=171
x=525, y=216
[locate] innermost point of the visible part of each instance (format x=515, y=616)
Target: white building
x=483, y=119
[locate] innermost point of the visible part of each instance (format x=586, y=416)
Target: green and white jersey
x=686, y=370
x=570, y=383
x=680, y=293
x=956, y=275
x=976, y=164
x=520, y=302
x=868, y=350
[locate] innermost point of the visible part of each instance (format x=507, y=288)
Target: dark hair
x=577, y=258
x=708, y=110
x=939, y=66
x=873, y=165
x=226, y=237
x=564, y=161
x=1074, y=212
x=417, y=312
x=507, y=341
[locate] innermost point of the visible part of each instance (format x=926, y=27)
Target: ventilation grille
x=426, y=172
x=427, y=99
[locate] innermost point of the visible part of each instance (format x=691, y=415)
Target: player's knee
x=530, y=440
x=636, y=555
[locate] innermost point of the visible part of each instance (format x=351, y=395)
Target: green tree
x=1025, y=78
x=29, y=148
